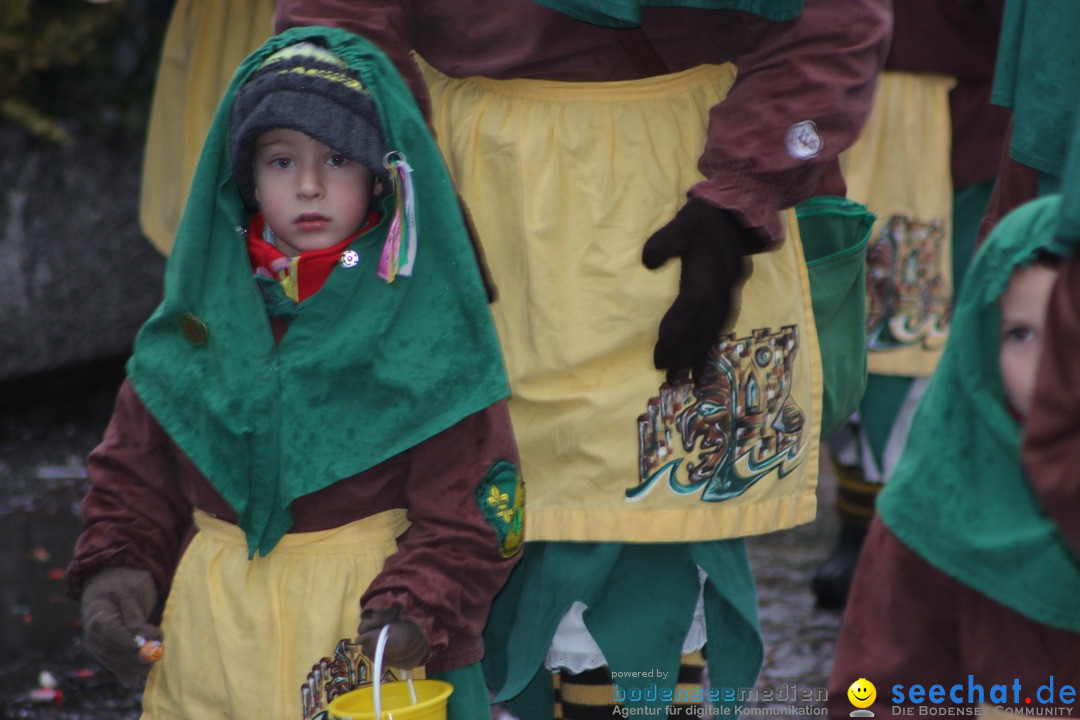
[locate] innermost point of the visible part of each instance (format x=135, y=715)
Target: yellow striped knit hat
x=307, y=88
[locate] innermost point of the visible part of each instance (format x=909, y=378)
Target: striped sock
x=855, y=498
x=691, y=684
x=589, y=695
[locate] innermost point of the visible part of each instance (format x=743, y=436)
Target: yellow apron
x=241, y=636
x=901, y=169
x=565, y=181
x=206, y=40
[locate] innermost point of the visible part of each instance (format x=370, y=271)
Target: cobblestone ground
x=42, y=446
x=799, y=637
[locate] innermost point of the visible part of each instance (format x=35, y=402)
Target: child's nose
x=310, y=183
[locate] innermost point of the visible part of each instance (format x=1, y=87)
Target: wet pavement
x=799, y=637
x=47, y=429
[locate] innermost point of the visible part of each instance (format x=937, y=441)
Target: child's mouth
x=311, y=222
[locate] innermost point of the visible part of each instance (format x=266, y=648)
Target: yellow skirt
x=241, y=636
x=565, y=181
x=205, y=42
x=901, y=169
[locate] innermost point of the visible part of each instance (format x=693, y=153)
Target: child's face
x=312, y=196
x=1023, y=317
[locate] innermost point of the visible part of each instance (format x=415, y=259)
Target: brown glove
x=117, y=603
x=711, y=243
x=406, y=645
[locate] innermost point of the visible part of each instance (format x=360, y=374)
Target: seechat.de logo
x=862, y=694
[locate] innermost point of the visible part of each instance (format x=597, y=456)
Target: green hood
x=367, y=369
x=959, y=495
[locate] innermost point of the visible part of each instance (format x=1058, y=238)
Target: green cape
x=959, y=495
x=1037, y=65
x=1067, y=237
x=627, y=13
x=640, y=599
x=367, y=369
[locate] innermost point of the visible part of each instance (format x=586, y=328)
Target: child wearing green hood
x=966, y=585
x=313, y=441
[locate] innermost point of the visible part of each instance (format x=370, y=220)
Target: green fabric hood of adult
x=959, y=496
x=1067, y=238
x=367, y=368
x=1035, y=73
x=627, y=13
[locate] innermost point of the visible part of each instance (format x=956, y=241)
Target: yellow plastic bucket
x=404, y=700
x=397, y=703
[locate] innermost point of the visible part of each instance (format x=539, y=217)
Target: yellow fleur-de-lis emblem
x=504, y=510
x=501, y=502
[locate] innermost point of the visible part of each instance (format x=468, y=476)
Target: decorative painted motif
x=737, y=424
x=347, y=669
x=908, y=302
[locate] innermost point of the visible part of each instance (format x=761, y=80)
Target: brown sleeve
x=957, y=38
x=135, y=513
x=1016, y=184
x=449, y=564
x=1051, y=445
x=384, y=22
x=821, y=68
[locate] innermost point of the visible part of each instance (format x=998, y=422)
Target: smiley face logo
x=862, y=693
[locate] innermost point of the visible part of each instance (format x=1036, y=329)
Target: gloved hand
x=711, y=244
x=406, y=645
x=117, y=603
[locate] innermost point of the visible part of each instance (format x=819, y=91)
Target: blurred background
x=77, y=279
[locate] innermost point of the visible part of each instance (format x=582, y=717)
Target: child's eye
x=1020, y=333
x=337, y=160
x=281, y=163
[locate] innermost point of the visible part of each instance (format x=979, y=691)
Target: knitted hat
x=307, y=88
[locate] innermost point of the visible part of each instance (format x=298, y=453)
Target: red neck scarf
x=303, y=275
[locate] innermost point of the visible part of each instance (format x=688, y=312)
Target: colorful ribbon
x=399, y=251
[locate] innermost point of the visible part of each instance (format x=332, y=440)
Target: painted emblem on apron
x=907, y=300
x=347, y=669
x=737, y=424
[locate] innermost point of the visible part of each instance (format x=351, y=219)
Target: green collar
x=367, y=368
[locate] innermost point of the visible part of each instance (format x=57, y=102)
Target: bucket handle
x=380, y=649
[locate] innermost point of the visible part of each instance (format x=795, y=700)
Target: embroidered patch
x=803, y=141
x=501, y=497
